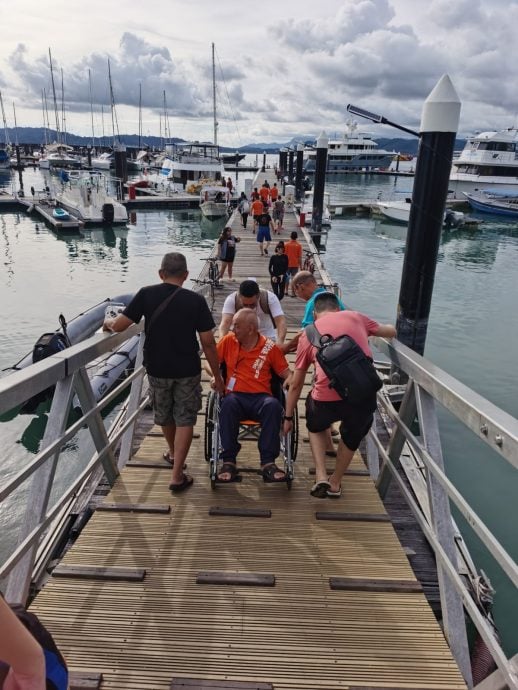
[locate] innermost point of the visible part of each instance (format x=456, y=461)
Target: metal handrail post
x=133, y=403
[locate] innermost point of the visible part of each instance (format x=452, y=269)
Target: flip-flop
x=231, y=469
x=334, y=494
x=185, y=484
x=320, y=489
x=167, y=457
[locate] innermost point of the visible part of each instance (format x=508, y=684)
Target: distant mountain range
x=36, y=135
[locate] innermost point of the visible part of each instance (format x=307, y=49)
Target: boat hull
x=492, y=206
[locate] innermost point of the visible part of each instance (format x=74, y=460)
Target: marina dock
x=246, y=586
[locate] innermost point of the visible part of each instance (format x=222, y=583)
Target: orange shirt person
x=293, y=250
x=250, y=360
x=274, y=192
x=257, y=208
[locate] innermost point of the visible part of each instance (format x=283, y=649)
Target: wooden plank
x=365, y=585
x=99, y=573
x=135, y=507
x=228, y=578
x=352, y=517
x=150, y=465
x=209, y=684
x=84, y=680
x=240, y=512
x=350, y=472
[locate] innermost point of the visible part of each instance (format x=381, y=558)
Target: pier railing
x=67, y=371
x=427, y=384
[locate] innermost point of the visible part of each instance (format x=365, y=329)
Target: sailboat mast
x=44, y=120
x=6, y=135
x=91, y=107
x=115, y=124
x=63, y=117
x=214, y=97
x=15, y=126
x=139, y=114
x=58, y=136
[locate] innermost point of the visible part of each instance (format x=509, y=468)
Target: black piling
x=89, y=156
x=299, y=186
x=263, y=168
x=439, y=124
x=121, y=169
x=318, y=190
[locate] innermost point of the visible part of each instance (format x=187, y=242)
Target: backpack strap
x=161, y=308
x=264, y=303
x=313, y=335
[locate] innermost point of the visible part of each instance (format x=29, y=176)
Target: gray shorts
x=176, y=401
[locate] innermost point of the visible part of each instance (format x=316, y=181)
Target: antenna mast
x=214, y=97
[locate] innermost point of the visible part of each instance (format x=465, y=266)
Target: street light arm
x=379, y=119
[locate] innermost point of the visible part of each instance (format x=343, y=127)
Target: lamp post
x=318, y=189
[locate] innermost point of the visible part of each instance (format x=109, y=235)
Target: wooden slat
x=99, y=573
x=364, y=585
x=150, y=465
x=84, y=680
x=135, y=507
x=350, y=472
x=240, y=512
x=352, y=517
x=205, y=684
x=228, y=578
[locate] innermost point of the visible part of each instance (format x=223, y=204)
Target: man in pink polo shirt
x=323, y=404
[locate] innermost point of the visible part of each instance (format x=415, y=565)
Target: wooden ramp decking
x=299, y=634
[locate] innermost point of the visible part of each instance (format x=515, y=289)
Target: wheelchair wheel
x=295, y=435
x=209, y=425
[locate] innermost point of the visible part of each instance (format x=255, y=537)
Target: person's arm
x=294, y=391
x=20, y=650
x=291, y=345
x=224, y=326
x=118, y=324
x=270, y=266
x=386, y=330
x=208, y=345
x=300, y=257
x=280, y=325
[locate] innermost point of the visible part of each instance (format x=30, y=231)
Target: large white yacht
x=190, y=162
x=86, y=195
x=354, y=151
x=488, y=160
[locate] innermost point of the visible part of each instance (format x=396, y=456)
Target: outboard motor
x=108, y=213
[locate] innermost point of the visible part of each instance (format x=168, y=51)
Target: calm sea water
x=472, y=333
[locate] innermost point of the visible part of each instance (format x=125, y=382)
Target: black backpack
x=350, y=372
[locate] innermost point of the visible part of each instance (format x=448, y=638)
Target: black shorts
x=355, y=421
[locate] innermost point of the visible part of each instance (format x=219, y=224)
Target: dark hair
x=294, y=235
x=280, y=245
x=174, y=264
x=249, y=288
x=325, y=301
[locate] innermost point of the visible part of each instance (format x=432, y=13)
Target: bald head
x=246, y=325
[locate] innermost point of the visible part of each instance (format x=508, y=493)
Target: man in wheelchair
x=249, y=360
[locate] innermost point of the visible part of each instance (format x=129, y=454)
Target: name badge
x=231, y=383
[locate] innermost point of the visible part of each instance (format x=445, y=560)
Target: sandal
x=167, y=457
x=184, y=484
x=320, y=489
x=269, y=472
x=334, y=494
x=231, y=469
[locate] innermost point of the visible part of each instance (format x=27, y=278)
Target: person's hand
x=107, y=325
x=287, y=426
x=22, y=681
x=274, y=279
x=218, y=384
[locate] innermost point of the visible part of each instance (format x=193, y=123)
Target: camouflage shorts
x=176, y=401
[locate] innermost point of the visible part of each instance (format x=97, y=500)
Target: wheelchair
x=249, y=430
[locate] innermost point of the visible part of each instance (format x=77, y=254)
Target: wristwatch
x=287, y=419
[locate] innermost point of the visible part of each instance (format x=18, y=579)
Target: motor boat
x=232, y=158
x=355, y=151
x=87, y=197
x=307, y=209
x=502, y=202
x=489, y=160
x=59, y=156
x=104, y=161
x=215, y=202
x=399, y=211
x=189, y=162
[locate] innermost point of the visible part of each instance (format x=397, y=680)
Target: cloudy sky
x=282, y=69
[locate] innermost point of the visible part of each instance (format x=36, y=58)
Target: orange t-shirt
x=264, y=192
x=274, y=193
x=293, y=250
x=251, y=369
x=257, y=207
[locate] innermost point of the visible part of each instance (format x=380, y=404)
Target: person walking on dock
x=257, y=208
x=278, y=213
x=278, y=269
x=293, y=250
x=244, y=209
x=174, y=316
x=264, y=232
x=227, y=251
x=272, y=322
x=323, y=404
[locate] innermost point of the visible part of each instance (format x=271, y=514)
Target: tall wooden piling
x=299, y=192
x=318, y=189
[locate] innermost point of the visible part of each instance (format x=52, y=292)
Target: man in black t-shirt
x=171, y=356
x=264, y=237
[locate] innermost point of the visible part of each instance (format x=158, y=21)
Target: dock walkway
x=341, y=607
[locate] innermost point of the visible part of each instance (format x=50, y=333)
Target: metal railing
x=427, y=384
x=67, y=372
